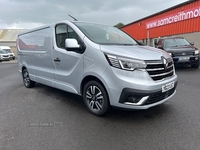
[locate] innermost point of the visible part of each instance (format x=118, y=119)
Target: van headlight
x=125, y=63
x=196, y=52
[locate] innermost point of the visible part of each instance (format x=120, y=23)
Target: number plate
x=184, y=58
x=167, y=87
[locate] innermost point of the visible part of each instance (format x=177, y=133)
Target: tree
x=119, y=25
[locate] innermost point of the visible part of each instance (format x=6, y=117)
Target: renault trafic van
x=103, y=64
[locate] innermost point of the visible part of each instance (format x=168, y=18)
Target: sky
x=27, y=14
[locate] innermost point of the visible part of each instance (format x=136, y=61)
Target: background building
x=181, y=20
x=8, y=38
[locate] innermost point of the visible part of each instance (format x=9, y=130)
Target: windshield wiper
x=183, y=45
x=178, y=45
x=127, y=44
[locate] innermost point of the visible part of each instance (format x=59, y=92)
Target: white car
x=4, y=55
x=9, y=51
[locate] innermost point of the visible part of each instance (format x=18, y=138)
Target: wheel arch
x=23, y=67
x=92, y=78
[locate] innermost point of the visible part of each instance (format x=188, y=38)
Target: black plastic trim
x=126, y=92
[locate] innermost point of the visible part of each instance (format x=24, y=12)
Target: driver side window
x=63, y=32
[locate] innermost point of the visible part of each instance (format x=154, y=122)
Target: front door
x=68, y=64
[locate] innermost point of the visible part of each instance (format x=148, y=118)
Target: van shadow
x=76, y=102
x=67, y=98
x=136, y=115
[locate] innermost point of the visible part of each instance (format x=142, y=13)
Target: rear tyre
x=26, y=79
x=96, y=98
x=196, y=65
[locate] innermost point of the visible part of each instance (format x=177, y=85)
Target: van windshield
x=2, y=52
x=106, y=35
x=8, y=50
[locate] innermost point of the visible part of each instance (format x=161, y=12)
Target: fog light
x=132, y=100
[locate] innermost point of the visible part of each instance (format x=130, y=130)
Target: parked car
x=8, y=50
x=4, y=55
x=101, y=63
x=181, y=50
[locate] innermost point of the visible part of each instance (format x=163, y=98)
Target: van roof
x=49, y=25
x=5, y=47
x=172, y=38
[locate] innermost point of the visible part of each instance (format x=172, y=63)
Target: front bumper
x=122, y=84
x=144, y=98
x=4, y=58
x=12, y=57
x=190, y=60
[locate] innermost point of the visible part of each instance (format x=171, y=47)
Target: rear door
x=68, y=64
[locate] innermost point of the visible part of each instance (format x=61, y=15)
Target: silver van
x=101, y=63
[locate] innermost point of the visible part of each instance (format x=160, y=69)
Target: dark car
x=181, y=50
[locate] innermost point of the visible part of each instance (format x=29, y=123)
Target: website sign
x=180, y=16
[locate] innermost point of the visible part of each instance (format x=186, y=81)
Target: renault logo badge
x=165, y=62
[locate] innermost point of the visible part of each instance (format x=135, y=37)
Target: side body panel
x=35, y=53
x=42, y=57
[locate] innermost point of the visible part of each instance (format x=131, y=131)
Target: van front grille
x=6, y=56
x=191, y=53
x=159, y=71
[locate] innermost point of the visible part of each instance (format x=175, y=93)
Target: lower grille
x=156, y=97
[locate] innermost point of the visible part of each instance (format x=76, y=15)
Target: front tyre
x=26, y=79
x=95, y=98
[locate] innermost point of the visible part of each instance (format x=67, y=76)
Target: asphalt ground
x=44, y=118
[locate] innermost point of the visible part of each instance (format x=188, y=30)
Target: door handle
x=57, y=60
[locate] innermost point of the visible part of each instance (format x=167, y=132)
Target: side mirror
x=72, y=45
x=160, y=47
x=192, y=43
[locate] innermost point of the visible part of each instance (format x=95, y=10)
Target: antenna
x=72, y=17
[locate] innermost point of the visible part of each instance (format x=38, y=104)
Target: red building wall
x=182, y=21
